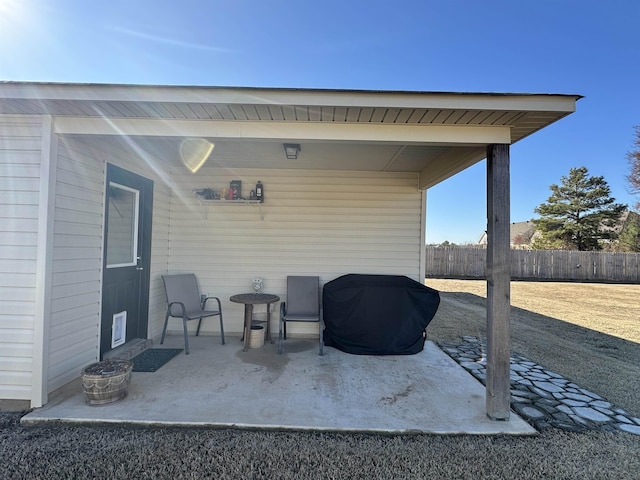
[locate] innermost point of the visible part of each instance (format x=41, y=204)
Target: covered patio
x=222, y=386
x=351, y=200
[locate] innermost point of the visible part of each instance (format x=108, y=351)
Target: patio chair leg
x=221, y=328
x=164, y=330
x=280, y=337
x=198, y=330
x=186, y=337
x=321, y=339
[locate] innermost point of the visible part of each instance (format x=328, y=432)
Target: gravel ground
x=605, y=364
x=62, y=452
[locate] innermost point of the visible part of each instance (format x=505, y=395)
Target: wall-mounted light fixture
x=291, y=150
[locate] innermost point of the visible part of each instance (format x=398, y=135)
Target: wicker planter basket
x=107, y=381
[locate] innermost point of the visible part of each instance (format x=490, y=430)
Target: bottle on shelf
x=259, y=192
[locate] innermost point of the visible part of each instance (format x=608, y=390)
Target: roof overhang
x=435, y=134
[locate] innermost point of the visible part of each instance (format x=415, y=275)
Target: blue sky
x=585, y=47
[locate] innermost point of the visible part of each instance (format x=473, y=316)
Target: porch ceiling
x=434, y=134
x=266, y=154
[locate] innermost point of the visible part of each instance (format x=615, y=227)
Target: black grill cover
x=377, y=314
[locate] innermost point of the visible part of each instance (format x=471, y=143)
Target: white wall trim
x=48, y=161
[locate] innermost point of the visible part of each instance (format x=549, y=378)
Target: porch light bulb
x=194, y=152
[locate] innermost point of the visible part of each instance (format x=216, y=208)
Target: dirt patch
x=589, y=333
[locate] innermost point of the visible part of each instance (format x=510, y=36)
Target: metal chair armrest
x=204, y=304
x=184, y=311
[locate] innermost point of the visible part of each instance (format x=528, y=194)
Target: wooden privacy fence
x=546, y=265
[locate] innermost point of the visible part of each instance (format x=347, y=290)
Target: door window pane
x=122, y=227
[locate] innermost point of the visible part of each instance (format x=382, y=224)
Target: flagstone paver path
x=544, y=398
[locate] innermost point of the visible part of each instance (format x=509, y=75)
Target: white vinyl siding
x=78, y=249
x=20, y=153
x=159, y=258
x=77, y=264
x=325, y=223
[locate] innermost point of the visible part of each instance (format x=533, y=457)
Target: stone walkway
x=544, y=398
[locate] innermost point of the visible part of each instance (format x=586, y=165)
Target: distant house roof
x=520, y=233
x=523, y=233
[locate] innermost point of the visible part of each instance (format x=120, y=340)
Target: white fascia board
x=302, y=97
x=427, y=134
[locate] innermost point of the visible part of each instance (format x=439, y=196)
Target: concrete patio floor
x=222, y=386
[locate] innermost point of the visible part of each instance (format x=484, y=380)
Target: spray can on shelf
x=259, y=191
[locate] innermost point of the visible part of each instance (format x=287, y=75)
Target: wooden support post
x=498, y=282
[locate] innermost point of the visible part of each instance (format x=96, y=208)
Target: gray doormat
x=153, y=358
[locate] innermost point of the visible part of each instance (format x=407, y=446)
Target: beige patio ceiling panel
x=414, y=158
x=332, y=156
x=452, y=161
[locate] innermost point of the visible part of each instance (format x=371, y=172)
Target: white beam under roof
x=422, y=134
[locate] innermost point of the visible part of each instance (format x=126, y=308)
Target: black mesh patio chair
x=302, y=305
x=184, y=301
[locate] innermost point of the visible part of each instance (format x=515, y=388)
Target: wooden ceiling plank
x=302, y=113
x=327, y=114
x=481, y=118
x=237, y=112
x=225, y=112
x=429, y=116
x=118, y=109
x=289, y=113
x=159, y=109
x=276, y=112
x=174, y=110
x=250, y=112
x=365, y=115
x=493, y=118
x=469, y=117
x=130, y=109
x=199, y=111
x=404, y=114
x=378, y=115
x=187, y=110
x=390, y=115
x=417, y=115
x=353, y=113
x=315, y=114
x=340, y=114
x=263, y=112
x=442, y=117
x=454, y=118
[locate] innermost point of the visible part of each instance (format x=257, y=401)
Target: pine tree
x=634, y=164
x=629, y=238
x=579, y=215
